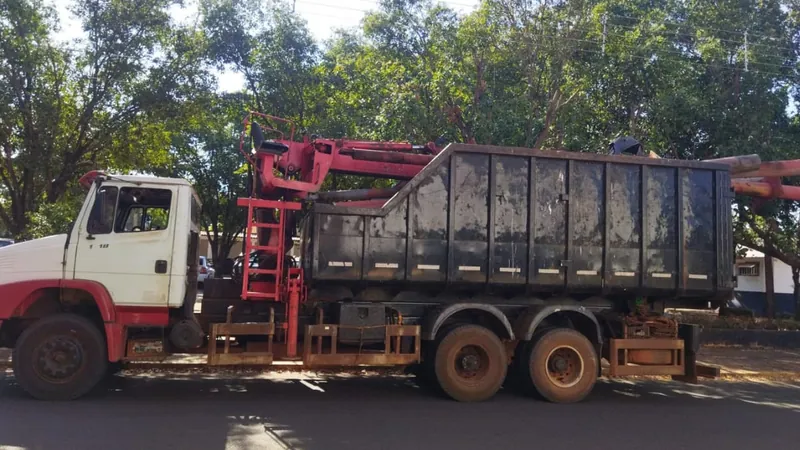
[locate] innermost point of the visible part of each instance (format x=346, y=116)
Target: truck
x=480, y=263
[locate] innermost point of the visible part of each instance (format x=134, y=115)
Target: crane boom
x=287, y=167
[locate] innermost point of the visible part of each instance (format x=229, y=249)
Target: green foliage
x=571, y=74
x=207, y=154
x=54, y=218
x=98, y=103
x=271, y=47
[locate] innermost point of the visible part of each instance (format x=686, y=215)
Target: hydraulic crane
x=478, y=256
x=289, y=171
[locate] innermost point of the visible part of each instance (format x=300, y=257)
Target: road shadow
x=201, y=411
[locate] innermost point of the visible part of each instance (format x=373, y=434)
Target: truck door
x=125, y=242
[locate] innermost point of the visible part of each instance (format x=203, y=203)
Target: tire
x=470, y=363
x=576, y=374
x=76, y=341
x=519, y=373
x=114, y=368
x=426, y=370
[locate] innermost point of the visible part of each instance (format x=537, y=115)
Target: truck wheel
x=561, y=365
x=114, y=368
x=426, y=370
x=60, y=357
x=470, y=363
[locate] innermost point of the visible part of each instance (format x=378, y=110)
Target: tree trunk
x=550, y=115
x=214, y=252
x=796, y=280
x=769, y=279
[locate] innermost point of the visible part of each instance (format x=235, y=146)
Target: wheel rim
x=564, y=366
x=59, y=359
x=471, y=363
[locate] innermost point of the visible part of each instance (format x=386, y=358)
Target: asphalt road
x=197, y=411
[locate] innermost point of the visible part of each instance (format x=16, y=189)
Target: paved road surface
x=297, y=411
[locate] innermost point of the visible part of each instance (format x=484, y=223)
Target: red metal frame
x=777, y=169
x=302, y=168
x=770, y=188
x=294, y=174
x=296, y=292
x=306, y=163
x=750, y=176
x=259, y=290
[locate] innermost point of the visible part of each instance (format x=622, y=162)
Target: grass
x=713, y=321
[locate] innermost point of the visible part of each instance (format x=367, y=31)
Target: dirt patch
x=750, y=361
x=714, y=321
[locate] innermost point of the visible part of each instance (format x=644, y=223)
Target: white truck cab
x=134, y=236
x=128, y=262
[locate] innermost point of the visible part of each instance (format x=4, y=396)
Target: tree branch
x=771, y=251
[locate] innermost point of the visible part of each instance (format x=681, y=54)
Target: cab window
x=101, y=219
x=143, y=210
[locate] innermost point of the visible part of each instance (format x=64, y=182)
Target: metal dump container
x=542, y=221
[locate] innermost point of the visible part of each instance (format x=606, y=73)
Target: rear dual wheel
x=470, y=363
x=560, y=365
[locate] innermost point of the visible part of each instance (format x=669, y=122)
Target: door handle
x=161, y=266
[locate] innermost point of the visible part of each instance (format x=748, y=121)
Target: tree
x=772, y=228
x=98, y=104
x=208, y=155
x=57, y=217
x=270, y=46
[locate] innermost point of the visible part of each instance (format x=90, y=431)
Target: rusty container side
x=538, y=221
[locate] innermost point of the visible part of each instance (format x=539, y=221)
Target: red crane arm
x=766, y=189
x=301, y=166
x=759, y=179
x=778, y=169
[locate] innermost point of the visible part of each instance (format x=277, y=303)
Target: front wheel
x=561, y=365
x=61, y=357
x=470, y=363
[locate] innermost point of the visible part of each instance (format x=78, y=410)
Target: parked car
x=204, y=270
x=6, y=242
x=289, y=261
x=239, y=261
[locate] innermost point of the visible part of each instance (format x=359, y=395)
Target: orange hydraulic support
x=294, y=287
x=759, y=179
x=768, y=190
x=739, y=164
x=773, y=169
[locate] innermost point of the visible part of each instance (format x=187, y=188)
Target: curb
x=739, y=374
x=786, y=340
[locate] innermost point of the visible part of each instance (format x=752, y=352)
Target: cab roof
x=89, y=178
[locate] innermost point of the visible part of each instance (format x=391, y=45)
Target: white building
x=751, y=289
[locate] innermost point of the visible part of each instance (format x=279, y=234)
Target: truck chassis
x=67, y=333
